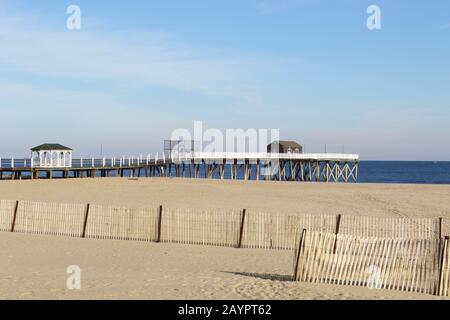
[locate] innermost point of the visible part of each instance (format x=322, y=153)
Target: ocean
x=412, y=172
x=404, y=172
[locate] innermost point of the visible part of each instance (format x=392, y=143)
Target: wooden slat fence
x=399, y=264
x=277, y=231
x=6, y=214
x=444, y=280
x=390, y=227
x=50, y=218
x=204, y=227
x=110, y=222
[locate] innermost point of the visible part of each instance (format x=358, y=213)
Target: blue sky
x=137, y=70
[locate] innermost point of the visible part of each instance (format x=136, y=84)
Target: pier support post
x=258, y=164
x=327, y=171
x=245, y=169
x=317, y=171
x=346, y=171
x=205, y=169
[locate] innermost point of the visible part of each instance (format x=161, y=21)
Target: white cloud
x=152, y=58
x=46, y=62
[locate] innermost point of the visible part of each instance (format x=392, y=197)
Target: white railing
x=120, y=162
x=179, y=156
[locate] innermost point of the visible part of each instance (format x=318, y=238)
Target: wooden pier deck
x=230, y=165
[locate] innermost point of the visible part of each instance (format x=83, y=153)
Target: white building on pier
x=51, y=155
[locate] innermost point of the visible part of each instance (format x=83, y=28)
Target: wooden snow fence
x=246, y=229
x=8, y=209
x=444, y=279
x=120, y=223
x=49, y=218
x=278, y=231
x=396, y=264
x=203, y=227
x=391, y=227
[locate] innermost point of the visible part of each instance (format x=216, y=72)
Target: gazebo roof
x=50, y=146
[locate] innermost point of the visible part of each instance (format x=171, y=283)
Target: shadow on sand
x=264, y=276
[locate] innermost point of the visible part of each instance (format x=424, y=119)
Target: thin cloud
x=152, y=58
x=268, y=7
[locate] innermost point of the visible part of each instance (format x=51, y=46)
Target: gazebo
x=51, y=155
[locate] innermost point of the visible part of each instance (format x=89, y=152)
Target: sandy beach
x=34, y=267
x=320, y=198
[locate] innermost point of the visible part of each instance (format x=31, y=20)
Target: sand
x=34, y=267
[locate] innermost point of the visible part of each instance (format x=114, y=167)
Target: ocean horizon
x=414, y=172
x=374, y=171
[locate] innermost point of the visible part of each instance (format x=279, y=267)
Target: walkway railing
x=26, y=163
x=197, y=157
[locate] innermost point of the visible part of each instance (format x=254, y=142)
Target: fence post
x=336, y=232
x=83, y=235
x=443, y=252
x=440, y=227
x=297, y=254
x=13, y=223
x=338, y=223
x=241, y=228
x=158, y=235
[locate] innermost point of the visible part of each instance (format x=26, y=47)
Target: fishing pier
x=217, y=165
